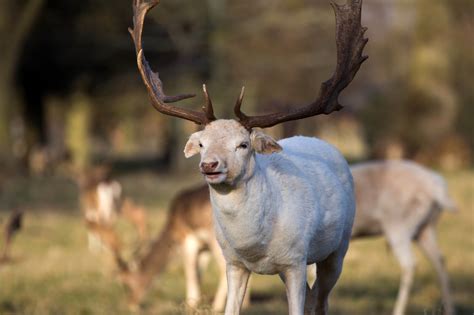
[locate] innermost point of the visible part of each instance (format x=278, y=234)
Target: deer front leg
x=237, y=278
x=295, y=281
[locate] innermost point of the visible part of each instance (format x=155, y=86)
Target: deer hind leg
x=404, y=254
x=328, y=272
x=427, y=242
x=191, y=249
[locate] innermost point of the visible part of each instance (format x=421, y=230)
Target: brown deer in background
x=102, y=203
x=99, y=199
x=189, y=226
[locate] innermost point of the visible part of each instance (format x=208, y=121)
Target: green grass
x=52, y=271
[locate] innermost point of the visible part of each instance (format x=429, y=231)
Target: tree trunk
x=13, y=30
x=78, y=125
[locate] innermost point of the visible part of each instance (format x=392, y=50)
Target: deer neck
x=243, y=216
x=158, y=255
x=246, y=194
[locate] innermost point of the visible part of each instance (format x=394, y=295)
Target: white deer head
x=228, y=150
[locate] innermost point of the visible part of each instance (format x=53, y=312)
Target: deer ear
x=192, y=146
x=263, y=143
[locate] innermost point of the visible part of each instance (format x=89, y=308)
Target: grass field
x=52, y=271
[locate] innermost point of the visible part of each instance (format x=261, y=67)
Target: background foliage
x=413, y=98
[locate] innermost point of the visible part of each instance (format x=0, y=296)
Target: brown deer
x=102, y=203
x=189, y=227
x=99, y=198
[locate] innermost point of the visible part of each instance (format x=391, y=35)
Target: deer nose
x=207, y=167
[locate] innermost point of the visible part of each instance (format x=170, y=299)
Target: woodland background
x=69, y=87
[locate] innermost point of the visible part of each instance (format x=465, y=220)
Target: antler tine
x=238, y=104
x=350, y=44
x=152, y=80
x=207, y=107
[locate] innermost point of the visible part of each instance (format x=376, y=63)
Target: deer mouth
x=212, y=173
x=215, y=177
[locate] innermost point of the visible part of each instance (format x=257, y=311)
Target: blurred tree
x=417, y=105
x=418, y=78
x=87, y=42
x=16, y=21
x=78, y=126
x=462, y=59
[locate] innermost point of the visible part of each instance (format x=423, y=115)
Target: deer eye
x=243, y=145
x=200, y=144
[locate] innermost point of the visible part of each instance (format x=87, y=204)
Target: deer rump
x=416, y=193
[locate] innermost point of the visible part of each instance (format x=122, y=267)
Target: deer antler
x=350, y=43
x=152, y=81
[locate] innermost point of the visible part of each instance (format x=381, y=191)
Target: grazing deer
x=402, y=201
x=189, y=227
x=277, y=206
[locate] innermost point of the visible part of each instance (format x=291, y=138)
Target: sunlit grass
x=53, y=272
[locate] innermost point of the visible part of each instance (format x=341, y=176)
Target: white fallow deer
x=277, y=206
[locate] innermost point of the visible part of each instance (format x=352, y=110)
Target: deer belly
x=273, y=262
x=253, y=255
x=264, y=257
x=265, y=266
